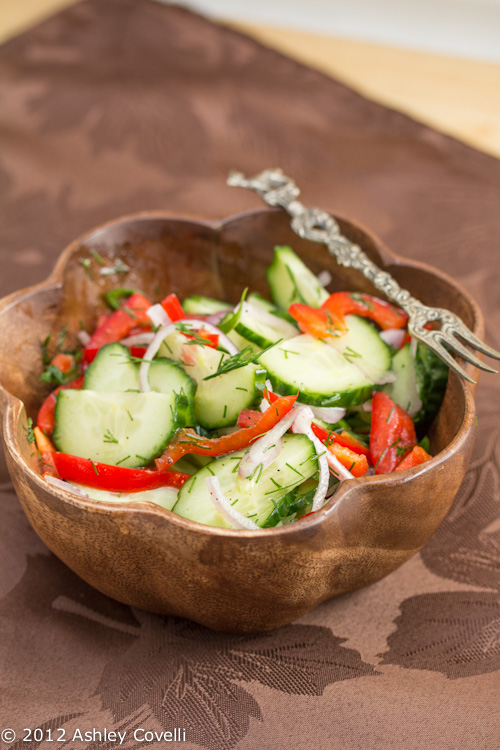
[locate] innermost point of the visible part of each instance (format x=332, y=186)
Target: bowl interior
x=167, y=254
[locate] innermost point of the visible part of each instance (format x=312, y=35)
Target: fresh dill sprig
x=109, y=437
x=240, y=359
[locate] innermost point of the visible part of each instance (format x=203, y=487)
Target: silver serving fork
x=276, y=189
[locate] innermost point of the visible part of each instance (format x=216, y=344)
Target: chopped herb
x=275, y=483
x=60, y=338
x=288, y=351
x=240, y=359
x=296, y=292
x=142, y=458
x=252, y=515
x=122, y=460
x=129, y=415
x=30, y=435
x=85, y=263
x=234, y=502
x=132, y=390
x=259, y=468
x=236, y=466
x=390, y=414
x=225, y=411
x=192, y=485
x=295, y=470
x=239, y=388
x=359, y=298
x=231, y=320
x=129, y=311
x=348, y=352
x=115, y=296
x=98, y=257
x=196, y=338
x=94, y=467
x=109, y=437
x=119, y=267
x=351, y=467
x=207, y=467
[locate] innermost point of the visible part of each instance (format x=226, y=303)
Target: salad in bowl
x=246, y=416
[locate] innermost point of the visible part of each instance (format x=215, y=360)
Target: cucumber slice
x=316, y=371
x=263, y=333
x=291, y=281
x=363, y=347
x=167, y=377
x=164, y=496
x=217, y=401
x=240, y=342
x=197, y=304
x=129, y=429
x=420, y=386
x=261, y=500
x=259, y=301
x=112, y=370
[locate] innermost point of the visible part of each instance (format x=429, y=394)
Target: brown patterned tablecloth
x=122, y=105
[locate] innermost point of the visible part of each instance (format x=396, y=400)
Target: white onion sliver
x=62, y=485
x=137, y=339
x=367, y=406
x=248, y=465
x=302, y=424
x=151, y=351
x=224, y=507
x=330, y=414
x=324, y=277
x=258, y=453
x=158, y=315
x=83, y=337
x=393, y=336
x=387, y=377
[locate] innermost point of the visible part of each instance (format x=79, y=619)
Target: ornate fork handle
x=276, y=189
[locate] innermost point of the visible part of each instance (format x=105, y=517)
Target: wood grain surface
x=458, y=97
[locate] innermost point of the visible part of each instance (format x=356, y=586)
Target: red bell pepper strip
x=212, y=339
x=114, y=478
x=356, y=463
x=344, y=439
x=173, y=307
x=320, y=323
x=188, y=441
x=248, y=417
x=417, y=456
x=45, y=419
x=63, y=362
x=367, y=306
x=392, y=431
x=121, y=322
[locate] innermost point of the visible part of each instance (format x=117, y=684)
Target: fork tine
x=471, y=339
x=446, y=357
x=460, y=349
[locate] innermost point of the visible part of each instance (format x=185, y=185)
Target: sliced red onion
x=265, y=450
x=216, y=318
x=83, y=337
x=158, y=316
x=393, y=336
x=62, y=485
x=224, y=507
x=324, y=277
x=137, y=339
x=302, y=424
x=330, y=414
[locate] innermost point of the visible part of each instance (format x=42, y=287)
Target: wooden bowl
x=148, y=557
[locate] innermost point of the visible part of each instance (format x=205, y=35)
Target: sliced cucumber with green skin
x=259, y=301
x=251, y=328
x=197, y=304
x=317, y=372
x=420, y=385
x=164, y=496
x=363, y=347
x=112, y=370
x=217, y=401
x=166, y=376
x=291, y=281
x=240, y=342
x=261, y=500
x=126, y=429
